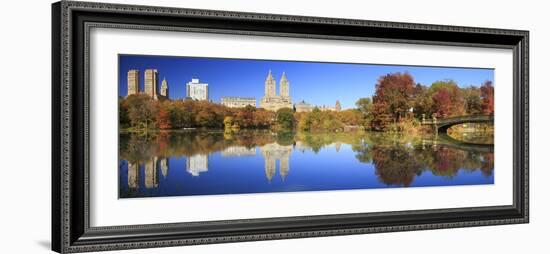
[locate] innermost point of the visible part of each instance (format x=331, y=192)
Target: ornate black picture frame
x=71, y=22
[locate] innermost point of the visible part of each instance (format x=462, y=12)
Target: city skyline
x=313, y=82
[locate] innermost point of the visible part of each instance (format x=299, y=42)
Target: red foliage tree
x=447, y=98
x=163, y=119
x=393, y=97
x=488, y=98
x=442, y=103
x=245, y=117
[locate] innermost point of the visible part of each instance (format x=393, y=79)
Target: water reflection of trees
x=397, y=159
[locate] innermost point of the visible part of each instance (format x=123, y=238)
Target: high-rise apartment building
x=151, y=81
x=133, y=82
x=196, y=90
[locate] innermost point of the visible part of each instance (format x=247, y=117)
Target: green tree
x=364, y=105
x=285, y=118
x=422, y=102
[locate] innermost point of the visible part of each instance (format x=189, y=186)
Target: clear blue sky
x=316, y=83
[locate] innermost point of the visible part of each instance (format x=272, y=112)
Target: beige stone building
x=272, y=101
x=337, y=107
x=327, y=108
x=303, y=107
x=238, y=102
x=151, y=81
x=133, y=82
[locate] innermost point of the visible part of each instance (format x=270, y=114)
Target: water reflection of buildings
x=300, y=146
x=150, y=173
x=133, y=175
x=197, y=164
x=237, y=151
x=338, y=145
x=164, y=167
x=273, y=152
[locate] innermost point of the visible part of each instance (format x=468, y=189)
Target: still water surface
x=216, y=162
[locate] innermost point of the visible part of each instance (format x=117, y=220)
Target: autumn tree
x=244, y=117
x=163, y=118
x=487, y=97
x=318, y=120
x=206, y=117
x=381, y=118
x=123, y=117
x=422, y=102
x=142, y=111
x=392, y=98
x=180, y=116
x=472, y=100
x=228, y=122
x=263, y=118
x=447, y=98
x=352, y=117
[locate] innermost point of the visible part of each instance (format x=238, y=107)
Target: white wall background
x=25, y=125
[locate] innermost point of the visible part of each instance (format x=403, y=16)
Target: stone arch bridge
x=442, y=124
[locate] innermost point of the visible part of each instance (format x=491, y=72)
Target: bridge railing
x=466, y=118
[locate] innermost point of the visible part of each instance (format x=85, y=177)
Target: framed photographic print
x=181, y=126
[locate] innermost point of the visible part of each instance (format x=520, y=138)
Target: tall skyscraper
x=164, y=89
x=133, y=82
x=151, y=81
x=196, y=90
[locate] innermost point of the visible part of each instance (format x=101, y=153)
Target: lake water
x=206, y=162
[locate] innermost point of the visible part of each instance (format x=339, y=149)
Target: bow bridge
x=442, y=124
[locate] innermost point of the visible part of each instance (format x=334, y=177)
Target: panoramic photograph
x=208, y=126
